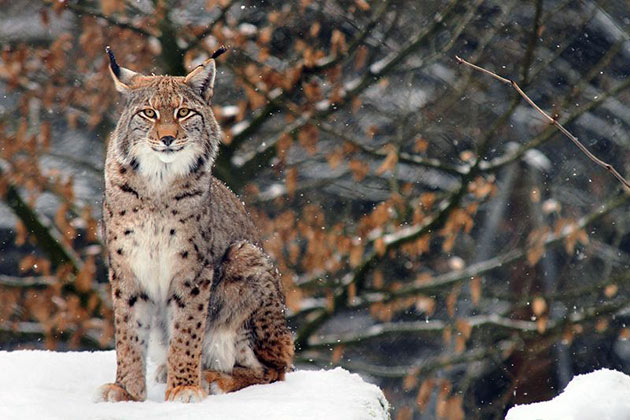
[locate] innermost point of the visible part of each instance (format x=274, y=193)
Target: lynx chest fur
x=187, y=274
x=158, y=232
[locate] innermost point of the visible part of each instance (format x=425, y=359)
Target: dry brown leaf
x=404, y=413
x=315, y=27
x=576, y=235
x=454, y=408
x=567, y=337
x=411, y=380
x=475, y=290
x=534, y=195
x=447, y=335
x=112, y=6
x=420, y=145
x=308, y=138
x=611, y=290
x=337, y=354
x=264, y=35
x=451, y=301
x=425, y=304
x=21, y=233
x=464, y=327
x=330, y=301
x=445, y=390
x=601, y=325
x=335, y=158
x=424, y=394
x=291, y=181
x=379, y=246
x=357, y=103
x=389, y=163
x=356, y=255
x=427, y=200
x=337, y=42
x=541, y=324
x=360, y=58
x=460, y=344
x=352, y=292
x=539, y=306
x=362, y=4
x=27, y=263
x=467, y=156
x=378, y=281
x=86, y=275
x=359, y=169
x=536, y=242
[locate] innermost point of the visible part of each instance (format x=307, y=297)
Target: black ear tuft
x=220, y=51
x=112, y=62
x=122, y=76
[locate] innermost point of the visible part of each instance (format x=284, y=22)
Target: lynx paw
x=186, y=393
x=112, y=393
x=217, y=383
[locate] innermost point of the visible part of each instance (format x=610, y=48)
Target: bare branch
x=35, y=330
x=552, y=121
x=80, y=10
x=27, y=282
x=423, y=369
x=452, y=278
x=441, y=282
x=48, y=237
x=220, y=18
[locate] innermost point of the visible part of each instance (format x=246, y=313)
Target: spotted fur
x=186, y=271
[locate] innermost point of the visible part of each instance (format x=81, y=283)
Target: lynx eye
x=149, y=113
x=183, y=112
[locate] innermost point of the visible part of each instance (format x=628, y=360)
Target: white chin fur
x=167, y=157
x=161, y=169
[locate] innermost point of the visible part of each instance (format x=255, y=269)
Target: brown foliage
x=373, y=185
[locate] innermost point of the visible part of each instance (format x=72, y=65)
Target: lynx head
x=167, y=128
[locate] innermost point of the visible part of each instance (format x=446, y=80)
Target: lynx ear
x=201, y=79
x=122, y=76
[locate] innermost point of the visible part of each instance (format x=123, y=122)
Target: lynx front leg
x=132, y=316
x=188, y=309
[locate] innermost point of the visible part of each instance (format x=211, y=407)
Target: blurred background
x=435, y=234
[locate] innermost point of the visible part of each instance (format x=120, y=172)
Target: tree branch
x=48, y=238
x=552, y=121
x=79, y=10
x=423, y=369
x=449, y=279
x=27, y=282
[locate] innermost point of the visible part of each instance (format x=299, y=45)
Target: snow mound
x=50, y=385
x=603, y=394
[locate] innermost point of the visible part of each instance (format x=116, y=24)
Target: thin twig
x=80, y=10
x=551, y=120
x=27, y=282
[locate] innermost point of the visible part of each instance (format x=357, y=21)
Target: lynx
x=186, y=269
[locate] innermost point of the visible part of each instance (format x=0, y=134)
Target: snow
x=61, y=386
x=603, y=394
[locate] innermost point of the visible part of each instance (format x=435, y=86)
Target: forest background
x=434, y=232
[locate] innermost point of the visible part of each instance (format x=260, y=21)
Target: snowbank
x=48, y=385
x=603, y=394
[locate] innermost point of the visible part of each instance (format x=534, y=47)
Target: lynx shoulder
x=187, y=274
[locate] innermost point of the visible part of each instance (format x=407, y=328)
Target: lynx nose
x=167, y=140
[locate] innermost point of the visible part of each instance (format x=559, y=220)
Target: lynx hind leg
x=239, y=378
x=248, y=297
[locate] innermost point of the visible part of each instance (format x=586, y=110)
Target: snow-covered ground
x=43, y=385
x=600, y=395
